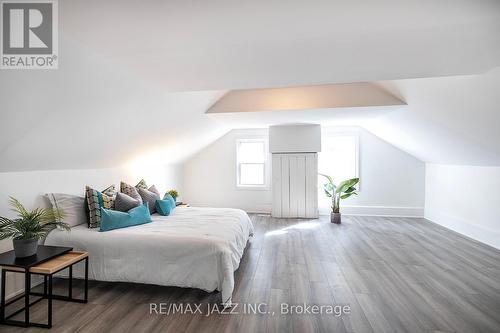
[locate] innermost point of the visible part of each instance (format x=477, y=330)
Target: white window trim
x=267, y=166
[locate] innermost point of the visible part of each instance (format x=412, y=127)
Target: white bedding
x=194, y=247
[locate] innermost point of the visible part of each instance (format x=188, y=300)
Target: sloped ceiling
x=93, y=113
x=234, y=44
x=136, y=78
x=450, y=120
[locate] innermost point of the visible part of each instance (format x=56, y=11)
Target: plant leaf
x=351, y=189
x=34, y=224
x=345, y=196
x=343, y=186
x=329, y=187
x=17, y=207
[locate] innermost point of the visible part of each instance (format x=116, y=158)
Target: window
x=251, y=159
x=339, y=159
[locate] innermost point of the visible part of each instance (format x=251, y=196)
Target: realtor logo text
x=29, y=38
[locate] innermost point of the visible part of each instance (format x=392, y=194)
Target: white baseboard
x=387, y=211
x=473, y=231
x=262, y=209
x=258, y=211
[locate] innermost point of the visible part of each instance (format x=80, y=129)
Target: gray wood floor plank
x=373, y=312
x=395, y=274
x=321, y=295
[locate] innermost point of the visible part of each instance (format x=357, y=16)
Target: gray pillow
x=124, y=203
x=150, y=198
x=131, y=191
x=73, y=207
x=154, y=190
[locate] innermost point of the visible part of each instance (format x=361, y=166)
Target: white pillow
x=73, y=207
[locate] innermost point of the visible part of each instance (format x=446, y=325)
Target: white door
x=295, y=179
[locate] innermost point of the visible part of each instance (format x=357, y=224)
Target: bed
x=193, y=247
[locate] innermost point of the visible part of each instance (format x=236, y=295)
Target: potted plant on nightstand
x=174, y=194
x=337, y=192
x=29, y=227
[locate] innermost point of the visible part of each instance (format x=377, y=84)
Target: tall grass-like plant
x=35, y=224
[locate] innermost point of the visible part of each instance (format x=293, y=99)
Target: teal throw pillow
x=171, y=199
x=113, y=219
x=164, y=207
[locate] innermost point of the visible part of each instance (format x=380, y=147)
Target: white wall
x=210, y=176
x=465, y=199
x=29, y=187
x=392, y=181
x=302, y=138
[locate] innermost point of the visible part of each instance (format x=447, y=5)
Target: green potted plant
x=174, y=194
x=29, y=227
x=342, y=191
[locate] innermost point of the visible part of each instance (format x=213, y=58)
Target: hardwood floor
x=395, y=274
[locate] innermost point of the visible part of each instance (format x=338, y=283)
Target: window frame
x=356, y=136
x=267, y=168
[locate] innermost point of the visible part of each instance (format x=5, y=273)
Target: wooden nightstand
x=48, y=261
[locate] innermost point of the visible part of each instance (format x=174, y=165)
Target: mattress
x=193, y=247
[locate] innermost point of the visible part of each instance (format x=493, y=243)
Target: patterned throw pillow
x=131, y=191
x=124, y=203
x=150, y=198
x=97, y=199
x=142, y=184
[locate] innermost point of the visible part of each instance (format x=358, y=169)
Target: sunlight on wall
x=153, y=174
x=154, y=167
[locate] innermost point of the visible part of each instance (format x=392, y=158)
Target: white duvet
x=193, y=247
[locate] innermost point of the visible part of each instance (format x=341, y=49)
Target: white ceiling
x=136, y=78
x=230, y=44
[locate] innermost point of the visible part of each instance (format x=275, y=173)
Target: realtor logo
x=29, y=34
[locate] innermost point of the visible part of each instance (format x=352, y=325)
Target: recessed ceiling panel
x=330, y=96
